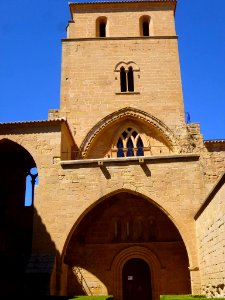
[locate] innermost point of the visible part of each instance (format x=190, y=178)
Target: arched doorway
x=122, y=227
x=136, y=279
x=16, y=218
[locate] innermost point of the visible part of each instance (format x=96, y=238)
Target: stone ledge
x=162, y=37
x=133, y=159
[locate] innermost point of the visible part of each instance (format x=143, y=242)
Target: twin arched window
x=126, y=80
x=129, y=75
x=130, y=144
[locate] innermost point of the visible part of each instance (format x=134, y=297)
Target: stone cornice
x=133, y=159
x=119, y=5
x=159, y=37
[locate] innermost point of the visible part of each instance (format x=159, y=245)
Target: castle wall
x=213, y=158
x=210, y=226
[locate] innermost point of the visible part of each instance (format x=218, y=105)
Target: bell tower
x=121, y=54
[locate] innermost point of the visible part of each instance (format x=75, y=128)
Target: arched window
x=101, y=23
x=128, y=75
x=102, y=28
x=130, y=147
x=123, y=80
x=129, y=144
x=31, y=181
x=126, y=80
x=140, y=147
x=144, y=26
x=130, y=78
x=120, y=148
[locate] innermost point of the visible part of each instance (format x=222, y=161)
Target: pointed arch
x=171, y=213
x=81, y=235
x=133, y=114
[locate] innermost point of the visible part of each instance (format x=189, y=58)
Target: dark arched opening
x=122, y=221
x=145, y=28
x=16, y=219
x=123, y=83
x=102, y=29
x=140, y=147
x=130, y=77
x=120, y=152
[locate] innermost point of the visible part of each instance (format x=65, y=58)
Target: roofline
x=117, y=1
x=93, y=2
x=214, y=141
x=211, y=195
x=39, y=123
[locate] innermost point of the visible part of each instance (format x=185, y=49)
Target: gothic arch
x=76, y=245
x=16, y=218
x=132, y=127
x=9, y=148
x=171, y=214
x=134, y=114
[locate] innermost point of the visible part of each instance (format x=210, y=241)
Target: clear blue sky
x=30, y=60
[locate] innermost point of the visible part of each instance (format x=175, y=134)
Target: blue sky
x=30, y=60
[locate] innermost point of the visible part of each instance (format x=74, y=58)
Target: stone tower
x=128, y=194
x=122, y=56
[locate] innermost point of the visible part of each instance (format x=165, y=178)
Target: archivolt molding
x=126, y=65
x=132, y=113
x=136, y=252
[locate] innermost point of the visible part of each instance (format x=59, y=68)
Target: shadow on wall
x=22, y=272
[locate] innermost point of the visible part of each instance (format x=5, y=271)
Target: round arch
x=148, y=256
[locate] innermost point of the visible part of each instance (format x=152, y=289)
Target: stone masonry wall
x=121, y=23
x=210, y=227
x=68, y=192
x=90, y=91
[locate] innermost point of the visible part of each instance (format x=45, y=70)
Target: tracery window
x=130, y=143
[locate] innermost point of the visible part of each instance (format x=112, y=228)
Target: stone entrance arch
x=137, y=252
x=121, y=227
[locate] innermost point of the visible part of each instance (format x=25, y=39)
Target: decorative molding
x=124, y=113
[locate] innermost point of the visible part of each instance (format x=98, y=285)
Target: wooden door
x=136, y=280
